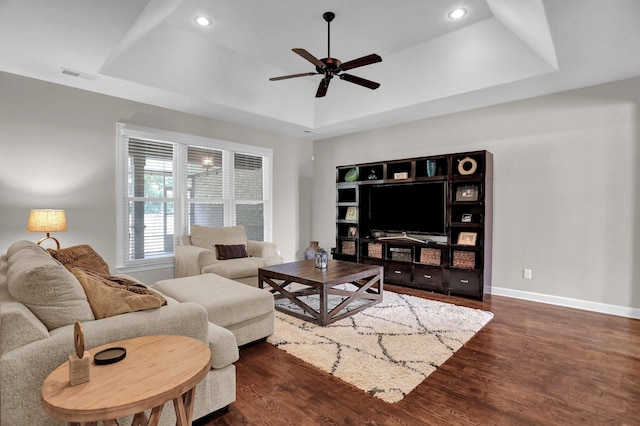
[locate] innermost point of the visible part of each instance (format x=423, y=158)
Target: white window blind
x=170, y=181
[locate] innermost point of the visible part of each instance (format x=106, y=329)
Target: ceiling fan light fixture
x=202, y=20
x=457, y=13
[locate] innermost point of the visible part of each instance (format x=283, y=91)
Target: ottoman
x=244, y=310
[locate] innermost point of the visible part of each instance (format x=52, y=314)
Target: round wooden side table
x=156, y=369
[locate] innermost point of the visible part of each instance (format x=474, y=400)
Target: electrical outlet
x=527, y=274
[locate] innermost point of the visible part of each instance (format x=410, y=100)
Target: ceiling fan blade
x=284, y=77
x=309, y=57
x=360, y=62
x=322, y=88
x=359, y=80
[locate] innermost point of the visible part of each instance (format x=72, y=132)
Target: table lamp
x=47, y=220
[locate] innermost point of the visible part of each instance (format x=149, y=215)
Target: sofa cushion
x=19, y=245
x=81, y=256
x=208, y=237
x=111, y=295
x=231, y=251
x=46, y=287
x=241, y=267
x=18, y=325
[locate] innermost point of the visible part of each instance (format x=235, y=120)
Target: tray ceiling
x=152, y=51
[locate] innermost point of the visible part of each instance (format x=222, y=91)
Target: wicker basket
x=430, y=256
x=349, y=247
x=374, y=250
x=464, y=259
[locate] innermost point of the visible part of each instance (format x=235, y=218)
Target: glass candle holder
x=321, y=259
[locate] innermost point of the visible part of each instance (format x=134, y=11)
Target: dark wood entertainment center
x=453, y=259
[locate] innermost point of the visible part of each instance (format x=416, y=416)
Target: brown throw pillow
x=110, y=295
x=231, y=251
x=81, y=256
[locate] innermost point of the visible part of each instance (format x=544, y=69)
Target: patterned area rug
x=386, y=350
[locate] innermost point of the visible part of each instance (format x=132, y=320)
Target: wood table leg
x=184, y=408
x=154, y=417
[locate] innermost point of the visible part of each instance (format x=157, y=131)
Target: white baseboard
x=622, y=311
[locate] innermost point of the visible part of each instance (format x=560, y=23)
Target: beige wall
x=58, y=149
x=566, y=200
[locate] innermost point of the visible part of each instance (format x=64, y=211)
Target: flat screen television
x=418, y=208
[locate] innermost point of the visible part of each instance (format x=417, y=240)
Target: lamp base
x=49, y=237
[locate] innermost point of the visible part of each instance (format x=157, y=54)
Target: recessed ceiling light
x=457, y=13
x=203, y=21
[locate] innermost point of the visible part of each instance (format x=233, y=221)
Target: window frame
x=181, y=142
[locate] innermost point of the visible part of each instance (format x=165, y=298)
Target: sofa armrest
x=261, y=249
x=191, y=259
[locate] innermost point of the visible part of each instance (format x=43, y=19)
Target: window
x=169, y=181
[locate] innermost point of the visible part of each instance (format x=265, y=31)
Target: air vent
x=78, y=74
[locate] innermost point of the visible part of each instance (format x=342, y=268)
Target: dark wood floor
x=532, y=364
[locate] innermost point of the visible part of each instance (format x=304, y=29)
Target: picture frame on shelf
x=466, y=218
x=401, y=175
x=467, y=238
x=352, y=213
x=467, y=193
x=352, y=231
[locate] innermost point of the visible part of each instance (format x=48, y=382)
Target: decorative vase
x=431, y=168
x=310, y=252
x=351, y=176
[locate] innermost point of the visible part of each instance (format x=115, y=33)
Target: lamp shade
x=47, y=220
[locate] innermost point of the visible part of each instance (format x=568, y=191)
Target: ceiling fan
x=330, y=67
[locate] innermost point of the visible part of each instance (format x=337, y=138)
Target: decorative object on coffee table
x=310, y=252
x=321, y=259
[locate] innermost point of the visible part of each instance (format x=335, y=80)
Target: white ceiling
x=151, y=51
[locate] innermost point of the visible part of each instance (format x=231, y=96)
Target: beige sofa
x=40, y=300
x=197, y=254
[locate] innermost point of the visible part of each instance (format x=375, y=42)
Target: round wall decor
x=467, y=166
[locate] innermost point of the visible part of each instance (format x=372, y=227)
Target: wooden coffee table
x=155, y=370
x=302, y=283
